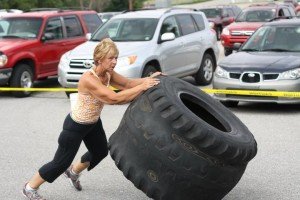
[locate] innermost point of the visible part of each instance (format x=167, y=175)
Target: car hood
x=11, y=45
x=86, y=49
x=261, y=61
x=245, y=25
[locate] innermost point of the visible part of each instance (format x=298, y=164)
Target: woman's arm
x=108, y=96
x=122, y=83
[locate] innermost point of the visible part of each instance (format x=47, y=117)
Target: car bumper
x=283, y=85
x=228, y=41
x=5, y=74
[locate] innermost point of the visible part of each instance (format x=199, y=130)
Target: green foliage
x=121, y=5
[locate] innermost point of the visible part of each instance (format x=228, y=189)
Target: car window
x=170, y=25
x=92, y=22
x=20, y=27
x=54, y=27
x=199, y=21
x=272, y=38
x=211, y=12
x=230, y=12
x=256, y=15
x=73, y=26
x=225, y=13
x=186, y=24
x=127, y=29
x=286, y=12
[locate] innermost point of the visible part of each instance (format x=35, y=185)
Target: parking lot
x=30, y=128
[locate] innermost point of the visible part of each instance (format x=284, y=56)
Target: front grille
x=81, y=64
x=251, y=77
x=235, y=75
x=236, y=33
x=270, y=76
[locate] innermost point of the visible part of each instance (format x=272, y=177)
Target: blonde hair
x=105, y=48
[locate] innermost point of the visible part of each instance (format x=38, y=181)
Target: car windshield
x=274, y=38
x=256, y=15
x=124, y=30
x=211, y=12
x=27, y=28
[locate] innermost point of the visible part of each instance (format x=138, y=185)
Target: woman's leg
x=36, y=181
x=96, y=143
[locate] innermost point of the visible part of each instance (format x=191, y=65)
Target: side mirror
x=231, y=19
x=88, y=36
x=236, y=46
x=167, y=37
x=48, y=36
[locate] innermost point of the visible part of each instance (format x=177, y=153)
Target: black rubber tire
x=176, y=142
x=148, y=70
x=227, y=52
x=230, y=103
x=204, y=76
x=22, y=76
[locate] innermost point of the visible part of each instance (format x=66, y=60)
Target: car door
x=50, y=49
x=193, y=43
x=172, y=53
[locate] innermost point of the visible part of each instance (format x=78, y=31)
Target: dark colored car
x=221, y=16
x=32, y=43
x=268, y=61
x=249, y=20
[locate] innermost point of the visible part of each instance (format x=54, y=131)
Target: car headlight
x=221, y=73
x=225, y=31
x=3, y=60
x=127, y=60
x=291, y=74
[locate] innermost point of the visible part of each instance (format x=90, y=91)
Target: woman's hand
x=149, y=82
x=156, y=74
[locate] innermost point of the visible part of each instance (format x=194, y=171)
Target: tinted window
x=92, y=22
x=54, y=27
x=139, y=29
x=199, y=21
x=286, y=12
x=73, y=27
x=211, y=12
x=230, y=12
x=170, y=25
x=186, y=24
x=256, y=15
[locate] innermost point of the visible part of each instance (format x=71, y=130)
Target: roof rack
x=179, y=8
x=63, y=9
x=125, y=11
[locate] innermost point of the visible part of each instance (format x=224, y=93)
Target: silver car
x=268, y=61
x=177, y=42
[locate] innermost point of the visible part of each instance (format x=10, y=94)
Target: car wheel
x=227, y=52
x=230, y=103
x=204, y=75
x=148, y=71
x=22, y=77
x=177, y=142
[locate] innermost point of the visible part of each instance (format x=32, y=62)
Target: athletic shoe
x=31, y=194
x=73, y=178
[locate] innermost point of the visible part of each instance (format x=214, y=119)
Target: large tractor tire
x=175, y=142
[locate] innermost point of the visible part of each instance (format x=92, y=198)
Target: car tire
x=176, y=142
x=149, y=70
x=230, y=103
x=227, y=52
x=22, y=77
x=204, y=75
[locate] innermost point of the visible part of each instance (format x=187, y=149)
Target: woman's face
x=109, y=62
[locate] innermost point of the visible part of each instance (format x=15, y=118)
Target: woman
x=84, y=123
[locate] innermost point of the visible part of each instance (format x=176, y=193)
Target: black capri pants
x=69, y=142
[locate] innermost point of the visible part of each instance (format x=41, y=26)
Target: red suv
x=32, y=43
x=249, y=20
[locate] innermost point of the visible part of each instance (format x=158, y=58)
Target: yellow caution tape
x=207, y=90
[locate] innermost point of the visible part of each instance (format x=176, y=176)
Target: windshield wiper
x=249, y=50
x=277, y=50
x=11, y=36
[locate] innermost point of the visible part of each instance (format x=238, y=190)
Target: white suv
x=177, y=42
